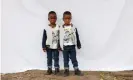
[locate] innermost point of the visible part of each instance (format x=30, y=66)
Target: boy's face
x=52, y=18
x=67, y=19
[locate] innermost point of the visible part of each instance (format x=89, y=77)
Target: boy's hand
x=59, y=49
x=79, y=47
x=44, y=49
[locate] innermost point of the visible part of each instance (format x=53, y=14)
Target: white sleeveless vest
x=67, y=36
x=52, y=36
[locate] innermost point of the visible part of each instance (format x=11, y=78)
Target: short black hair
x=51, y=12
x=67, y=13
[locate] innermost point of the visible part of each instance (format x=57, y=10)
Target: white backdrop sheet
x=105, y=27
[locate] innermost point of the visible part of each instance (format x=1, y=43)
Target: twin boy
x=63, y=38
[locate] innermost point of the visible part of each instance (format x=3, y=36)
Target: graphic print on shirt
x=55, y=35
x=68, y=36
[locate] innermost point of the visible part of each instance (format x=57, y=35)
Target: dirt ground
x=88, y=75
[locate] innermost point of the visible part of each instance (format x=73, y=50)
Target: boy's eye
x=67, y=18
x=53, y=18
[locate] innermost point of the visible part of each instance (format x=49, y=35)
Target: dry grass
x=88, y=75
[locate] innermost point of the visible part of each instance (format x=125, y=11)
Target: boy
x=69, y=38
x=50, y=43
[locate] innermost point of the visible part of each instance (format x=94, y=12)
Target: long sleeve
x=78, y=40
x=44, y=39
x=59, y=40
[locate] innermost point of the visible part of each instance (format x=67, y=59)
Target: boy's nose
x=67, y=20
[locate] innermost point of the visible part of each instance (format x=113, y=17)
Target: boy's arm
x=59, y=47
x=78, y=40
x=44, y=39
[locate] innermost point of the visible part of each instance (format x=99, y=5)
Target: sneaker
x=49, y=71
x=66, y=72
x=78, y=72
x=56, y=71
